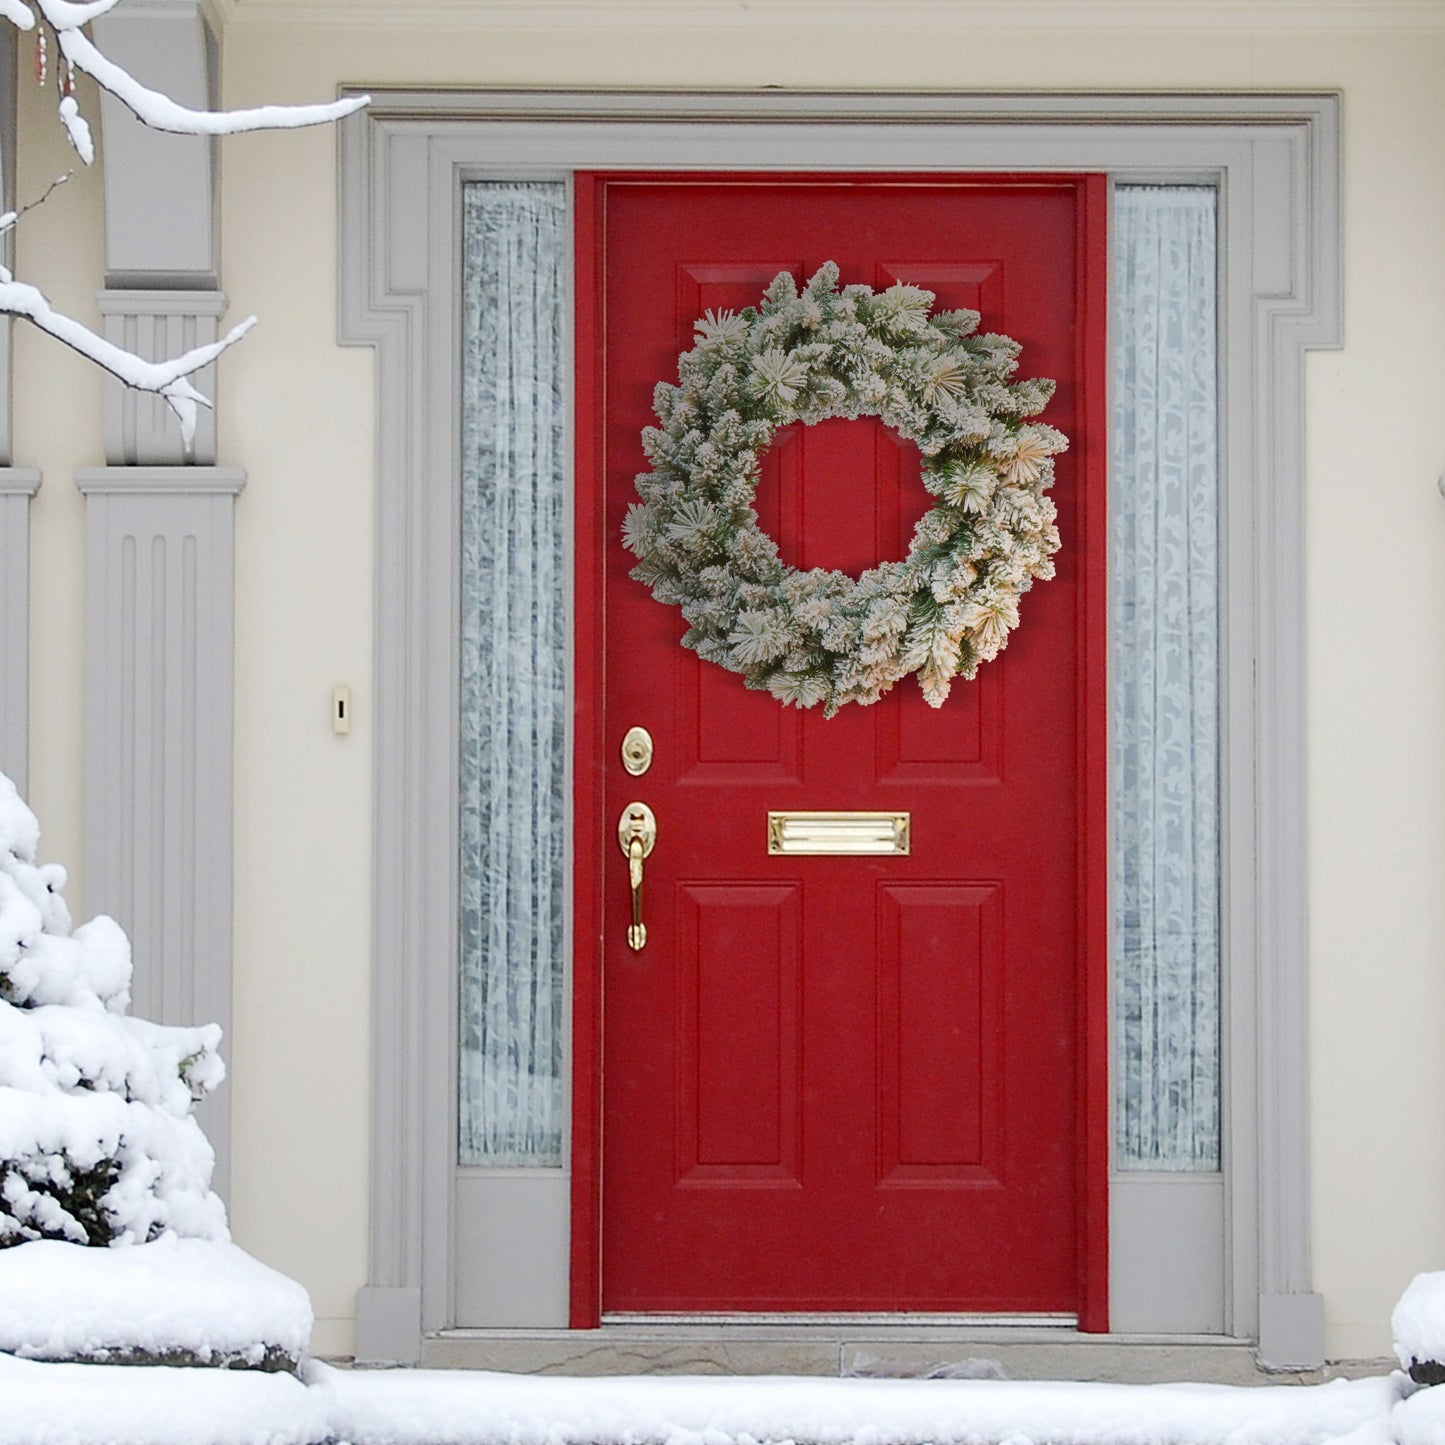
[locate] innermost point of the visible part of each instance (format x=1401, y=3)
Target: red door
x=843, y=1083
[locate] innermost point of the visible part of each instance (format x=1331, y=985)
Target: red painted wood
x=787, y=1121
x=589, y=767
x=1091, y=250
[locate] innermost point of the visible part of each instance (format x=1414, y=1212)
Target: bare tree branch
x=9, y=219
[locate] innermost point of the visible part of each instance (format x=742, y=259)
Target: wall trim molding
x=19, y=481
x=17, y=486
x=159, y=662
x=153, y=481
x=140, y=428
x=1168, y=17
x=9, y=92
x=1276, y=161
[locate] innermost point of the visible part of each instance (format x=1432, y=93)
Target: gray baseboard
x=1291, y=1331
x=388, y=1326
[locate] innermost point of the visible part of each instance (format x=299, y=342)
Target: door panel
x=838, y=1084
x=739, y=954
x=940, y=1037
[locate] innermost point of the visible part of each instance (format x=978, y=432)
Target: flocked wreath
x=823, y=636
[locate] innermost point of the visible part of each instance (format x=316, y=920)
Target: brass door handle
x=636, y=835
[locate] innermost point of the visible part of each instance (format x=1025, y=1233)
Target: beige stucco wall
x=298, y=414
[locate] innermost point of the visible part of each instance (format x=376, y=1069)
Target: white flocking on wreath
x=823, y=636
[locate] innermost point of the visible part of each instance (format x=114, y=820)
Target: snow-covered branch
x=167, y=379
x=64, y=19
x=160, y=112
x=152, y=107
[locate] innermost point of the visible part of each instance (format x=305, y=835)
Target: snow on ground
x=463, y=1408
x=206, y=1296
x=53, y=1404
x=42, y=1404
x=1420, y=1420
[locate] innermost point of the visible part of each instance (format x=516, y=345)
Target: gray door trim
x=1276, y=161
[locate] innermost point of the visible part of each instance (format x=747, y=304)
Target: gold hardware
x=838, y=833
x=637, y=751
x=636, y=835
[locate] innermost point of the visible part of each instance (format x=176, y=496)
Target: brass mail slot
x=838, y=833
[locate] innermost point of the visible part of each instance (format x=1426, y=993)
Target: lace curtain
x=513, y=685
x=1165, y=704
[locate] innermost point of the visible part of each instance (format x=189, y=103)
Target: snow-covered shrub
x=1418, y=1325
x=98, y=1145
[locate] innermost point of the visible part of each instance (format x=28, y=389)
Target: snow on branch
x=64, y=19
x=62, y=13
x=153, y=107
x=166, y=378
x=160, y=112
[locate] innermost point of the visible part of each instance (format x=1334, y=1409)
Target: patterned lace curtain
x=513, y=686
x=1165, y=700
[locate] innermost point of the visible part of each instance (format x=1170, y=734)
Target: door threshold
x=848, y=1319
x=832, y=1347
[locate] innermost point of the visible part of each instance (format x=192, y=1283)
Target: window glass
x=1164, y=702
x=513, y=674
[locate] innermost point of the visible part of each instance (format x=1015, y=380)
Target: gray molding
x=9, y=89
x=1294, y=313
x=853, y=19
x=161, y=261
x=159, y=188
x=1275, y=158
x=1291, y=1331
x=407, y=623
x=155, y=481
x=159, y=605
x=1166, y=1254
x=17, y=486
x=140, y=429
x=496, y=1282
x=388, y=1326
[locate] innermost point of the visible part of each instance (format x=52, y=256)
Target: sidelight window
x=512, y=674
x=1164, y=703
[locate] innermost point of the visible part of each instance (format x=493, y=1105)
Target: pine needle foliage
x=847, y=351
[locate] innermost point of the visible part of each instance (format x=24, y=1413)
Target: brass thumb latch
x=636, y=834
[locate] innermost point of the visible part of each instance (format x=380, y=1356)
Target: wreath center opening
x=841, y=495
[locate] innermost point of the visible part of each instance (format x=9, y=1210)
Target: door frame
x=594, y=752
x=1275, y=160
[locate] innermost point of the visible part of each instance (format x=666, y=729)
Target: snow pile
x=408, y=1407
x=1420, y=1419
x=44, y=1404
x=199, y=1297
x=115, y=1405
x=97, y=1142
x=1418, y=1324
x=98, y=1146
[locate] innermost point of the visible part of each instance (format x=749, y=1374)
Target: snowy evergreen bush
x=98, y=1145
x=1418, y=1325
